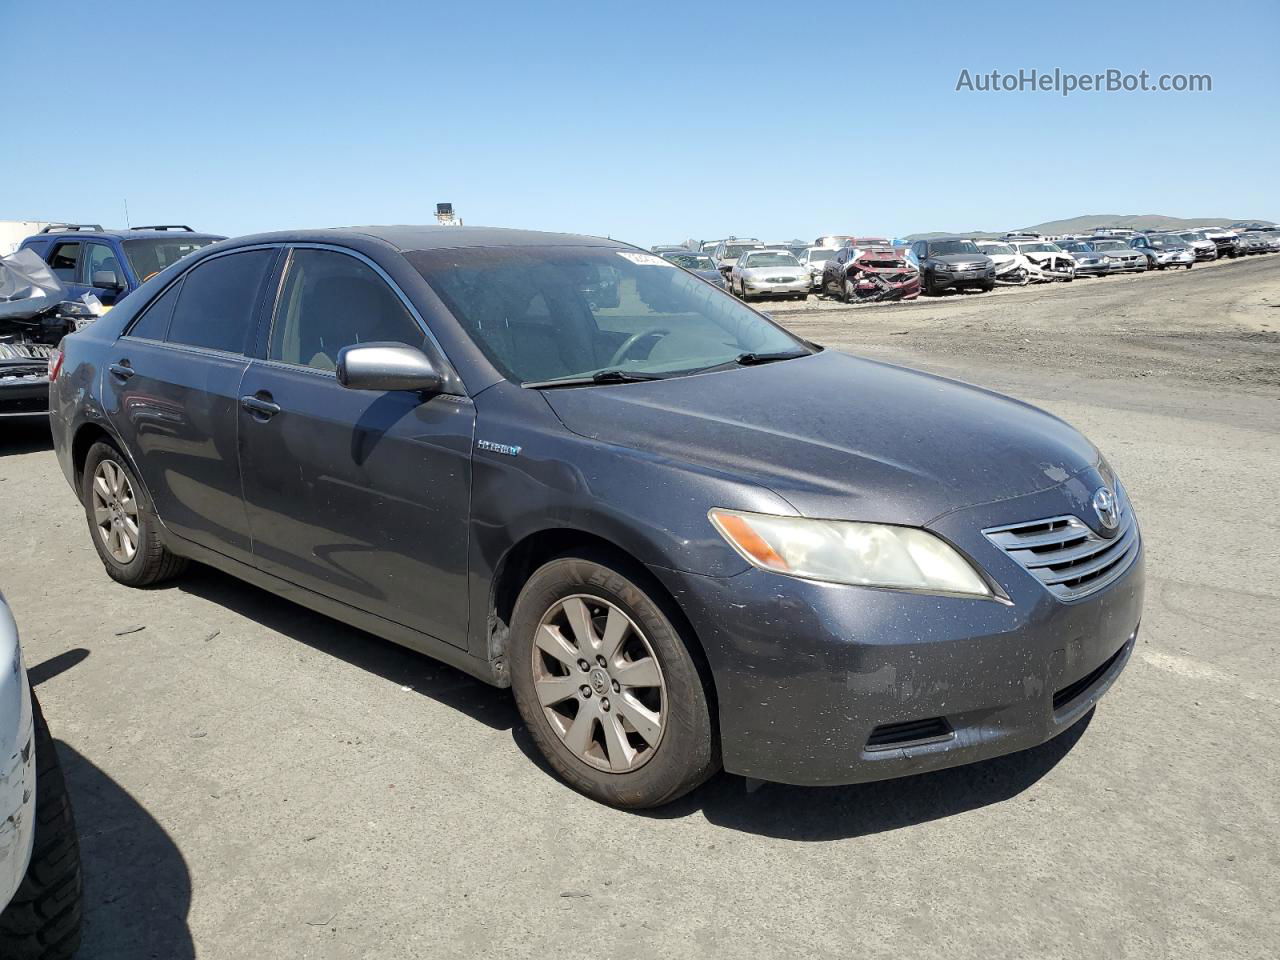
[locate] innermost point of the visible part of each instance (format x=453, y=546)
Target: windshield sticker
x=644, y=259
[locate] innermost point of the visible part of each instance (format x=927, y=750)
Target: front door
x=363, y=496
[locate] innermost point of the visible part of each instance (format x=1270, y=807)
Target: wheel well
x=538, y=548
x=86, y=437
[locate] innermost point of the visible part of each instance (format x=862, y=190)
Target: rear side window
x=65, y=262
x=154, y=322
x=216, y=307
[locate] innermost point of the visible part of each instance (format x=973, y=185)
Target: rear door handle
x=121, y=370
x=261, y=407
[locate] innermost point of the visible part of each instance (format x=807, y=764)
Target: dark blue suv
x=112, y=263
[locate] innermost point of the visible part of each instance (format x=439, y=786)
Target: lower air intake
x=909, y=733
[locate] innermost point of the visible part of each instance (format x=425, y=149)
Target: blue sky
x=652, y=122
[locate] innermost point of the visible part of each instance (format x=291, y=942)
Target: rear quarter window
x=154, y=322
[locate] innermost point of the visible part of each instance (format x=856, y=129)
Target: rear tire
x=672, y=746
x=122, y=521
x=42, y=921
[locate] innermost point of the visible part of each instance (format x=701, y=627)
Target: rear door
x=172, y=391
x=362, y=496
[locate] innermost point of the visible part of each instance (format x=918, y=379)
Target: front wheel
x=607, y=687
x=42, y=921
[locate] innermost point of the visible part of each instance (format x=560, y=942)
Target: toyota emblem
x=1107, y=507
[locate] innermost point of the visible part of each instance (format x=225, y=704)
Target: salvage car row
x=870, y=269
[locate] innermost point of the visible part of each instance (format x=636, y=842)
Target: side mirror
x=107, y=280
x=387, y=366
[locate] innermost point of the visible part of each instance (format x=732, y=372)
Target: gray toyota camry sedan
x=687, y=539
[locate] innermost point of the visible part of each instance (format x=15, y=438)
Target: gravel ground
x=253, y=780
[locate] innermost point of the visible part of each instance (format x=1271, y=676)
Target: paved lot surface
x=253, y=780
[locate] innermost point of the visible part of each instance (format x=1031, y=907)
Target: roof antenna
x=126, y=214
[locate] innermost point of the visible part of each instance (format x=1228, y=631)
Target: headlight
x=940, y=267
x=841, y=551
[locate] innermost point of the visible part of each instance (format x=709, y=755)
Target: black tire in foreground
x=646, y=734
x=122, y=521
x=42, y=921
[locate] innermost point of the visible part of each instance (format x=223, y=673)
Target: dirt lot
x=253, y=780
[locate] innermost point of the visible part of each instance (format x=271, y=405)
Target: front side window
x=329, y=301
x=538, y=313
x=102, y=259
x=64, y=261
x=218, y=301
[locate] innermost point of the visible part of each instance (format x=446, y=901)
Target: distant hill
x=1135, y=221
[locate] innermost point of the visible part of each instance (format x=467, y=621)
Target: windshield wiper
x=755, y=359
x=603, y=376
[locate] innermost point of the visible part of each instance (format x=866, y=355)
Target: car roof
x=948, y=239
x=408, y=238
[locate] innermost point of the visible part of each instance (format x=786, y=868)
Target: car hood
x=839, y=436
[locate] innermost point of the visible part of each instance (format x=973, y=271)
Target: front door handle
x=121, y=370
x=261, y=405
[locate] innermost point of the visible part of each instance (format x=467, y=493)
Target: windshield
x=734, y=250
x=1039, y=248
x=996, y=248
x=1104, y=245
x=149, y=257
x=820, y=254
x=1190, y=236
x=553, y=313
x=944, y=247
x=769, y=259
x=691, y=261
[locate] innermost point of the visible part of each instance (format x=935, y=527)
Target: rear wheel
x=42, y=921
x=607, y=686
x=123, y=522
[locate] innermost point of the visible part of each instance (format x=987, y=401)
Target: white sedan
x=769, y=273
x=813, y=260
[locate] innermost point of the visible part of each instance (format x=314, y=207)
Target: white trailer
x=13, y=232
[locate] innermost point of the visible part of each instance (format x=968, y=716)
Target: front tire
x=607, y=687
x=42, y=921
x=123, y=522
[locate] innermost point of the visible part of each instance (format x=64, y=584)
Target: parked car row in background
x=854, y=268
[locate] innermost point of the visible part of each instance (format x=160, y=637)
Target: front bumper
x=765, y=288
x=1092, y=269
x=963, y=278
x=806, y=673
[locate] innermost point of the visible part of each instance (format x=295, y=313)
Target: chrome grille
x=1066, y=555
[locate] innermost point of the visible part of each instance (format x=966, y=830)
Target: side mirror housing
x=387, y=366
x=107, y=280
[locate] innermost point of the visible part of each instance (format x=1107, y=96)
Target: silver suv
x=727, y=252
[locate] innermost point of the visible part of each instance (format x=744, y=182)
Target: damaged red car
x=870, y=274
